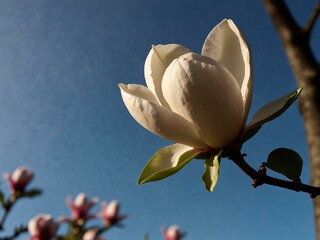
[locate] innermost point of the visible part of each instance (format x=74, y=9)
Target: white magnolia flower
x=201, y=101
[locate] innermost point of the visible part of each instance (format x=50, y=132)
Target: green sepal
x=211, y=172
x=31, y=193
x=1, y=198
x=285, y=161
x=269, y=112
x=166, y=162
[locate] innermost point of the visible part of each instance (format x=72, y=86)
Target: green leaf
x=31, y=193
x=211, y=172
x=286, y=162
x=166, y=162
x=1, y=197
x=269, y=112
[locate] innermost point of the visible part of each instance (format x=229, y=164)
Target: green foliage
x=31, y=193
x=1, y=197
x=286, y=162
x=166, y=162
x=269, y=112
x=211, y=172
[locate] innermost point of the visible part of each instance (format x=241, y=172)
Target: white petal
x=157, y=61
x=140, y=91
x=227, y=45
x=112, y=208
x=204, y=92
x=160, y=120
x=33, y=226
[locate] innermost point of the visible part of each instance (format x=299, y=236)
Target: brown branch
x=282, y=18
x=6, y=208
x=260, y=177
x=306, y=70
x=312, y=20
x=16, y=233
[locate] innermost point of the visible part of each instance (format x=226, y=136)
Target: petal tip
x=122, y=85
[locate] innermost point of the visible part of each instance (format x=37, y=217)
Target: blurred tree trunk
x=296, y=42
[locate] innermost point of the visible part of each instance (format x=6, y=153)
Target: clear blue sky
x=61, y=114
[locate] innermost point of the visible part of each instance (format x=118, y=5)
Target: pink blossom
x=81, y=206
x=19, y=179
x=172, y=233
x=92, y=234
x=110, y=213
x=42, y=227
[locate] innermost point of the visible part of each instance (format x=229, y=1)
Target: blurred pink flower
x=19, y=179
x=172, y=233
x=110, y=213
x=42, y=227
x=92, y=234
x=81, y=206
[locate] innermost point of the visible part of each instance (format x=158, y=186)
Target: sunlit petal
x=205, y=93
x=227, y=45
x=139, y=91
x=157, y=61
x=160, y=120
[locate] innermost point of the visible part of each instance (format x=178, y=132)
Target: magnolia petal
x=211, y=172
x=166, y=162
x=204, y=92
x=227, y=45
x=160, y=120
x=157, y=61
x=140, y=91
x=269, y=112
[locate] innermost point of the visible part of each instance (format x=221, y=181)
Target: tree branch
x=282, y=18
x=312, y=20
x=6, y=208
x=260, y=177
x=307, y=73
x=16, y=233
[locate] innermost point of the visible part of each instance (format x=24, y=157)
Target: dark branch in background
x=260, y=177
x=312, y=20
x=306, y=69
x=282, y=17
x=6, y=208
x=16, y=233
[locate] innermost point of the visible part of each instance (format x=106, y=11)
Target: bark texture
x=296, y=42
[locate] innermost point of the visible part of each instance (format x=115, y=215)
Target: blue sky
x=63, y=117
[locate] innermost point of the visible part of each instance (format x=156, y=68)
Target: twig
x=16, y=233
x=7, y=207
x=260, y=177
x=312, y=20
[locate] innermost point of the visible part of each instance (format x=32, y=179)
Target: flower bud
x=92, y=234
x=19, y=179
x=42, y=227
x=81, y=206
x=172, y=233
x=110, y=213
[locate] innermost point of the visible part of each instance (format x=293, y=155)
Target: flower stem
x=7, y=207
x=16, y=233
x=260, y=177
